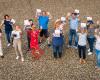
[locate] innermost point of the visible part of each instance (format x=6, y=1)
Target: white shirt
x=82, y=39
x=17, y=33
x=97, y=46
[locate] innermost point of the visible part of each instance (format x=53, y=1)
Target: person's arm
x=49, y=15
x=1, y=24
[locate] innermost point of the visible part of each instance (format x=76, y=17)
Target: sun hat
x=76, y=11
x=63, y=19
x=38, y=10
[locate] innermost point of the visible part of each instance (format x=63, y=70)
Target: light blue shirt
x=74, y=23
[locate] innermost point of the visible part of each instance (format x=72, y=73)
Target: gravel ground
x=47, y=68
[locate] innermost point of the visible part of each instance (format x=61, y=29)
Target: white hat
x=89, y=18
x=83, y=25
x=26, y=22
x=63, y=19
x=76, y=11
x=13, y=21
x=38, y=10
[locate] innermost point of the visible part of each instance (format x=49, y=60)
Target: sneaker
x=69, y=46
x=89, y=50
x=22, y=59
x=8, y=44
x=2, y=56
x=90, y=53
x=17, y=57
x=75, y=47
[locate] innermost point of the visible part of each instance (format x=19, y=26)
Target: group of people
x=79, y=34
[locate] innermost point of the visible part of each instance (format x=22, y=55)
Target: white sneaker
x=75, y=47
x=8, y=44
x=17, y=57
x=89, y=50
x=69, y=46
x=22, y=59
x=90, y=53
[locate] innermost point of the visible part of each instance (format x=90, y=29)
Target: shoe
x=8, y=44
x=90, y=53
x=89, y=50
x=69, y=46
x=22, y=59
x=17, y=57
x=49, y=45
x=80, y=61
x=84, y=61
x=75, y=47
x=2, y=56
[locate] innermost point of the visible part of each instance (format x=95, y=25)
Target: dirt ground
x=47, y=68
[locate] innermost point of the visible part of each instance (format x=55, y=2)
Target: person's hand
x=98, y=22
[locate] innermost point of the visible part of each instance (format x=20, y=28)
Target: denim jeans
x=91, y=43
x=72, y=34
x=8, y=36
x=57, y=51
x=98, y=57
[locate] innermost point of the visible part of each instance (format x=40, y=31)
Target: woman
x=17, y=35
x=57, y=40
x=8, y=28
x=34, y=45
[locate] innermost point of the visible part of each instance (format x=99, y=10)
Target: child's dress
x=34, y=45
x=34, y=39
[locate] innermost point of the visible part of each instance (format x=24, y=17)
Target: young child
x=97, y=47
x=34, y=45
x=82, y=43
x=17, y=35
x=90, y=35
x=57, y=41
x=1, y=52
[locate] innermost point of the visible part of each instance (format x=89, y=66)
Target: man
x=73, y=27
x=43, y=20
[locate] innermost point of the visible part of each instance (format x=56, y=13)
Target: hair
x=57, y=23
x=5, y=16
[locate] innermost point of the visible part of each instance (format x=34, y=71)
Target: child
x=90, y=36
x=36, y=51
x=97, y=47
x=1, y=52
x=57, y=41
x=82, y=43
x=17, y=35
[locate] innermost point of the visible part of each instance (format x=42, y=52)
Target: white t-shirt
x=17, y=33
x=97, y=46
x=82, y=39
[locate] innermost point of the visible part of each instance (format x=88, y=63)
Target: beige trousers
x=1, y=52
x=18, y=47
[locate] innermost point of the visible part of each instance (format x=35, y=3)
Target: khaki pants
x=1, y=52
x=18, y=48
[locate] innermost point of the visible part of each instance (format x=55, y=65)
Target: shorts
x=44, y=32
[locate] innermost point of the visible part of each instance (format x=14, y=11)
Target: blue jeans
x=57, y=51
x=98, y=57
x=91, y=43
x=8, y=35
x=72, y=34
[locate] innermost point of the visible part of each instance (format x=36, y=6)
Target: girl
x=97, y=47
x=57, y=40
x=36, y=51
x=1, y=52
x=82, y=43
x=17, y=35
